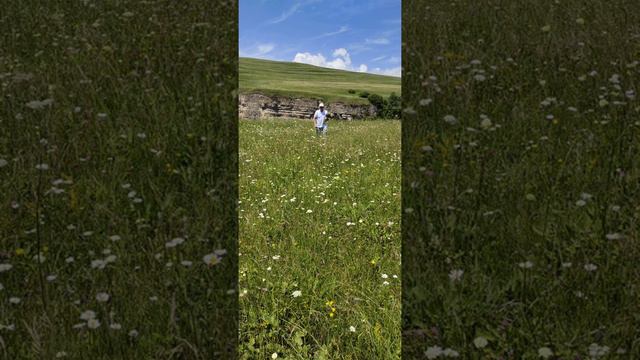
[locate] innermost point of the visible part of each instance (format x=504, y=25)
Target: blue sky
x=356, y=35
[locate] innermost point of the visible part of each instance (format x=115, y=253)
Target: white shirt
x=320, y=116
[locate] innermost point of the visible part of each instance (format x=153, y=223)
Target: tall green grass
x=521, y=179
x=118, y=136
x=319, y=240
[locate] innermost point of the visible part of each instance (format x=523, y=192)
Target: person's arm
x=313, y=118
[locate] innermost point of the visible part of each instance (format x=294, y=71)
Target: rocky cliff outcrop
x=256, y=106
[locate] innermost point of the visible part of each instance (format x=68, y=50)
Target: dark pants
x=320, y=130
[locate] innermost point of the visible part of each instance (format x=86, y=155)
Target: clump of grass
x=319, y=240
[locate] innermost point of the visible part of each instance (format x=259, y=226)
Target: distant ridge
x=308, y=81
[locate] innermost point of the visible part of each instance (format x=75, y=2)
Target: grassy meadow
x=319, y=242
x=118, y=180
x=521, y=180
x=302, y=80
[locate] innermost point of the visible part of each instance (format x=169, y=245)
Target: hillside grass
x=118, y=180
x=307, y=81
x=320, y=215
x=521, y=179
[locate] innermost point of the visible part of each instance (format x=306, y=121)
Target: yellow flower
x=20, y=251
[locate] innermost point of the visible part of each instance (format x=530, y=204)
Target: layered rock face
x=257, y=106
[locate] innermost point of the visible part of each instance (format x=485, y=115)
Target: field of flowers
x=118, y=179
x=319, y=240
x=521, y=179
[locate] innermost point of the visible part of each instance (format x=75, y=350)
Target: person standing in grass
x=320, y=120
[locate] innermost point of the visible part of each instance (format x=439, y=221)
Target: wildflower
x=456, y=274
x=546, y=28
x=450, y=353
x=274, y=355
x=480, y=342
x=545, y=352
x=590, y=267
x=93, y=323
x=450, y=119
x=596, y=351
x=526, y=265
x=211, y=259
x=102, y=297
x=479, y=77
x=5, y=267
x=614, y=236
x=530, y=197
x=52, y=278
x=485, y=123
x=276, y=257
x=133, y=333
x=433, y=352
x=61, y=354
x=87, y=315
x=425, y=102
x=15, y=300
x=42, y=167
x=114, y=237
x=98, y=264
x=38, y=105
x=3, y=163
x=352, y=328
x=186, y=263
x=115, y=326
x=296, y=293
x=581, y=203
x=174, y=242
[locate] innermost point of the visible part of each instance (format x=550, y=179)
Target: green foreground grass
x=521, y=174
x=302, y=80
x=319, y=240
x=118, y=179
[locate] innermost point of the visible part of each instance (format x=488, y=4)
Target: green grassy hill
x=295, y=79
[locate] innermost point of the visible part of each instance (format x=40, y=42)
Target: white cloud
x=377, y=41
x=258, y=51
x=265, y=48
x=308, y=58
x=333, y=33
x=396, y=71
x=340, y=52
x=394, y=60
x=291, y=11
x=285, y=15
x=341, y=59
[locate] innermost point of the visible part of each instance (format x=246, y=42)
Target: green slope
x=302, y=80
